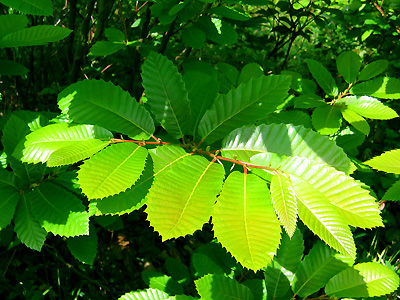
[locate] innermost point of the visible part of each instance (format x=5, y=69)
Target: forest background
x=335, y=69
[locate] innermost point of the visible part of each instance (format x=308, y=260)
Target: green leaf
x=165, y=157
x=228, y=77
x=284, y=202
x=363, y=280
x=131, y=199
x=112, y=170
x=104, y=104
x=308, y=101
x=317, y=269
x=69, y=144
x=230, y=13
x=323, y=77
x=84, y=247
x=104, y=48
x=28, y=230
x=214, y=286
x=12, y=68
x=33, y=7
x=244, y=105
x=380, y=87
x=295, y=117
x=167, y=95
x=34, y=36
x=245, y=222
x=290, y=140
x=368, y=107
x=356, y=120
x=217, y=30
x=178, y=271
x=388, y=162
x=8, y=202
x=355, y=205
x=58, y=211
x=204, y=265
x=12, y=23
x=393, y=193
x=326, y=119
x=181, y=200
x=114, y=35
x=373, y=69
x=348, y=64
x=159, y=281
x=251, y=70
x=258, y=287
x=7, y=179
x=148, y=294
x=349, y=138
x=193, y=37
x=323, y=218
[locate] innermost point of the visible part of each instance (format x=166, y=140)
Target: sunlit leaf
x=148, y=294
x=388, y=162
x=356, y=120
x=380, y=87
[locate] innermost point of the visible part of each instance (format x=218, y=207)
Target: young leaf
x=348, y=64
x=323, y=77
x=112, y=170
x=356, y=120
x=84, y=140
x=148, y=294
x=284, y=202
x=244, y=105
x=368, y=107
x=388, y=162
x=58, y=211
x=393, y=193
x=181, y=200
x=84, y=247
x=245, y=222
x=323, y=218
x=28, y=230
x=247, y=141
x=214, y=286
x=363, y=280
x=380, y=87
x=317, y=269
x=373, y=69
x=326, y=119
x=8, y=202
x=104, y=104
x=167, y=95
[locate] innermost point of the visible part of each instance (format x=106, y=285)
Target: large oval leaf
x=245, y=222
x=181, y=200
x=363, y=280
x=245, y=105
x=323, y=77
x=104, y=104
x=348, y=64
x=112, y=170
x=285, y=139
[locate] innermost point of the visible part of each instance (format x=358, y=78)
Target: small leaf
x=388, y=162
x=148, y=294
x=58, y=211
x=356, y=120
x=368, y=107
x=323, y=77
x=284, y=201
x=363, y=280
x=348, y=64
x=181, y=200
x=214, y=286
x=317, y=269
x=326, y=119
x=112, y=170
x=104, y=48
x=243, y=217
x=373, y=69
x=167, y=95
x=28, y=230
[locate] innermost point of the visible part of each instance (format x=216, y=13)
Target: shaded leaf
x=356, y=120
x=104, y=48
x=373, y=69
x=12, y=23
x=251, y=70
x=323, y=77
x=167, y=95
x=8, y=202
x=244, y=105
x=32, y=7
x=380, y=87
x=295, y=117
x=112, y=170
x=348, y=64
x=326, y=119
x=162, y=282
x=393, y=193
x=245, y=222
x=84, y=247
x=12, y=68
x=104, y=104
